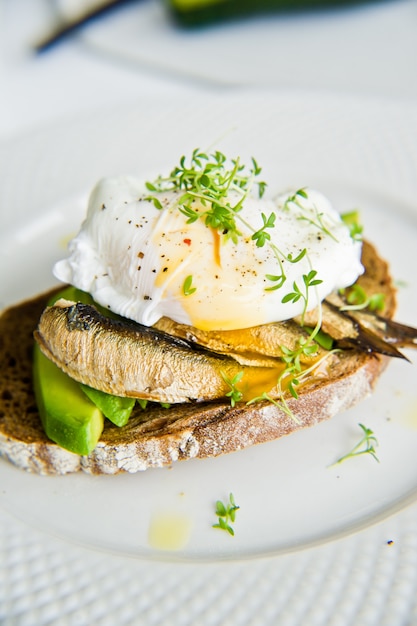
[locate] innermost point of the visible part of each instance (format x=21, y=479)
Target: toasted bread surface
x=157, y=436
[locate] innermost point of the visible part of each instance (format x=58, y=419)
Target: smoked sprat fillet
x=157, y=436
x=133, y=360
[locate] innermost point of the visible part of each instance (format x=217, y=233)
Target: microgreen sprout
x=313, y=217
x=234, y=394
x=280, y=279
x=358, y=299
x=281, y=403
x=205, y=184
x=292, y=359
x=366, y=445
x=187, y=288
x=317, y=364
x=261, y=236
x=318, y=222
x=293, y=368
x=295, y=199
x=309, y=280
x=226, y=514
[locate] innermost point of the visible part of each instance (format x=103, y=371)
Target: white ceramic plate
x=362, y=154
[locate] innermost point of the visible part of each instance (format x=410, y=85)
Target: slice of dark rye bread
x=158, y=436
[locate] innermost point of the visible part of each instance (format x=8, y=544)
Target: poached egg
x=144, y=262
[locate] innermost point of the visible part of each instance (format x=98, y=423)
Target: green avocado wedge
x=68, y=417
x=115, y=408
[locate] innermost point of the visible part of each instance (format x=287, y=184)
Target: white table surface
x=369, y=51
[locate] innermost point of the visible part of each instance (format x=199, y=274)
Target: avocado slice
x=68, y=417
x=115, y=408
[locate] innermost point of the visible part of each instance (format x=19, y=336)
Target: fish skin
x=258, y=346
x=364, y=330
x=388, y=330
x=128, y=359
x=366, y=339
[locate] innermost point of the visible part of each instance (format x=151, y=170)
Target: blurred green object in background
x=203, y=12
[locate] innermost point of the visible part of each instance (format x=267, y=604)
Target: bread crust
x=157, y=437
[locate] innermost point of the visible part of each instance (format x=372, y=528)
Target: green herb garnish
x=208, y=179
x=282, y=404
x=366, y=445
x=187, y=288
x=358, y=299
x=261, y=236
x=234, y=394
x=292, y=359
x=226, y=514
x=295, y=198
x=280, y=279
x=312, y=216
x=309, y=280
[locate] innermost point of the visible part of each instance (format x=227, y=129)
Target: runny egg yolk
x=145, y=263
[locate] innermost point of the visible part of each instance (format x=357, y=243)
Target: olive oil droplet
x=169, y=531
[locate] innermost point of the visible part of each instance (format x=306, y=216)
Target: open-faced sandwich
x=197, y=317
